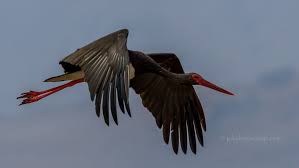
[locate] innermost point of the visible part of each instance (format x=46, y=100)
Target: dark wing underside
x=175, y=107
x=105, y=63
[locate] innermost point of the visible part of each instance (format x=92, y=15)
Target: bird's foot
x=30, y=97
x=29, y=94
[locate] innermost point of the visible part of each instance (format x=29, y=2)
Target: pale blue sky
x=249, y=47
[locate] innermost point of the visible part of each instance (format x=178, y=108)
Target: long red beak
x=210, y=85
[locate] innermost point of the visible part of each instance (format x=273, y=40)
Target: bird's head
x=199, y=80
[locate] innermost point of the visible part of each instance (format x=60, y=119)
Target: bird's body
x=166, y=90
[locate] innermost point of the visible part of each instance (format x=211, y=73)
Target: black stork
x=109, y=69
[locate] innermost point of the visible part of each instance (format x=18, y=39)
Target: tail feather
x=68, y=76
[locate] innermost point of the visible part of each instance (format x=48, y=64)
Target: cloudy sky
x=249, y=47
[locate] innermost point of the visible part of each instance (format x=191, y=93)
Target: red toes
x=31, y=100
x=29, y=97
x=29, y=94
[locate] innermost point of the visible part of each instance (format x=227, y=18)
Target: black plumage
x=109, y=69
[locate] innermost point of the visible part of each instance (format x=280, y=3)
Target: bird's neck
x=147, y=64
x=178, y=78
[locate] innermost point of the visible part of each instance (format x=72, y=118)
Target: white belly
x=131, y=71
x=80, y=75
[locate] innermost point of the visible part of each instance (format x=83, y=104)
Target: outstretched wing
x=175, y=107
x=105, y=63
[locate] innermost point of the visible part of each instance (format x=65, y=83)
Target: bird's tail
x=67, y=76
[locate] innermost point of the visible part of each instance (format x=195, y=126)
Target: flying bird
x=110, y=69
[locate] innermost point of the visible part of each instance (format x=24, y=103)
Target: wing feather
x=175, y=135
x=191, y=133
x=105, y=105
x=119, y=92
x=183, y=133
x=104, y=61
x=113, y=102
x=176, y=107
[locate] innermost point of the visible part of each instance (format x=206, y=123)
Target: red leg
x=33, y=96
